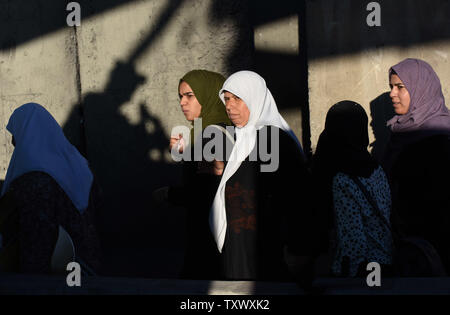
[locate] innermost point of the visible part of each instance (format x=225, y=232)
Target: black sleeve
x=179, y=195
x=35, y=194
x=294, y=195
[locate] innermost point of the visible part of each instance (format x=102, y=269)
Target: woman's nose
x=393, y=93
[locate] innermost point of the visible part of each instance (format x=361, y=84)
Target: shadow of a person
x=381, y=110
x=128, y=162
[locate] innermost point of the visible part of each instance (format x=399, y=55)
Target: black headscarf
x=342, y=146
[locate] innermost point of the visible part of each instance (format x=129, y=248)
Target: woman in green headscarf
x=199, y=98
x=198, y=91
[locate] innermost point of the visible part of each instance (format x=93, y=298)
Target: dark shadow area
x=340, y=27
x=284, y=85
x=128, y=160
x=381, y=110
x=242, y=54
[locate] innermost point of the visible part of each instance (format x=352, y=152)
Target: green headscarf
x=206, y=86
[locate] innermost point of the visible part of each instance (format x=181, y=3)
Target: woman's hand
x=214, y=168
x=218, y=167
x=177, y=141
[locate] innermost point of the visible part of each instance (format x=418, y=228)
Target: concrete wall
x=40, y=70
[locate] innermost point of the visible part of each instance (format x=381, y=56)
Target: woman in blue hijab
x=51, y=186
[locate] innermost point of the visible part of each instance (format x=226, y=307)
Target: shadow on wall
x=119, y=155
x=241, y=55
x=381, y=110
x=340, y=27
x=129, y=162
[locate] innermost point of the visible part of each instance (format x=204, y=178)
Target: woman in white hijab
x=50, y=183
x=261, y=205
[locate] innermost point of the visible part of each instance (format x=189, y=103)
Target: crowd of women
x=244, y=223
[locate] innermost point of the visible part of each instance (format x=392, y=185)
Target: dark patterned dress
x=362, y=235
x=42, y=206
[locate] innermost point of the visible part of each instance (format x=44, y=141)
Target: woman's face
x=189, y=104
x=237, y=110
x=399, y=95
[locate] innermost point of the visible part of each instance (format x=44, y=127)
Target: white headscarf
x=42, y=146
x=252, y=89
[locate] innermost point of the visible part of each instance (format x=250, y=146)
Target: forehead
x=184, y=87
x=228, y=94
x=395, y=79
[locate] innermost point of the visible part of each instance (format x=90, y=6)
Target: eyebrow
x=232, y=95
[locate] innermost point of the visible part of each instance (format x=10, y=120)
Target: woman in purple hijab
x=417, y=158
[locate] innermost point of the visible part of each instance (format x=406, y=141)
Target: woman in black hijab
x=341, y=156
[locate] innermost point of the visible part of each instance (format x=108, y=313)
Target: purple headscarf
x=427, y=110
x=427, y=115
